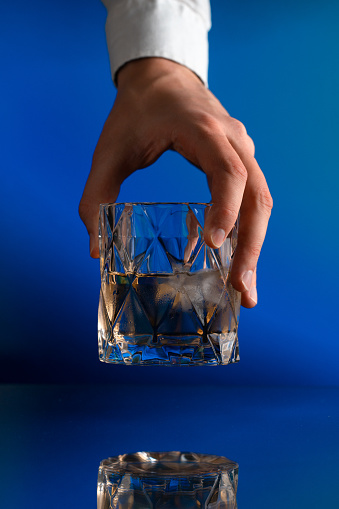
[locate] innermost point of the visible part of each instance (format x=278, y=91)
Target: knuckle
x=250, y=145
x=238, y=128
x=208, y=125
x=228, y=214
x=253, y=250
x=237, y=170
x=264, y=199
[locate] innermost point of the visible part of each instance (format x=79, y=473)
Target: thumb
x=102, y=186
x=111, y=164
x=89, y=213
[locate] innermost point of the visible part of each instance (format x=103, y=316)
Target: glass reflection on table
x=164, y=480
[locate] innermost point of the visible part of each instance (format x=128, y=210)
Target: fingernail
x=253, y=294
x=247, y=279
x=218, y=237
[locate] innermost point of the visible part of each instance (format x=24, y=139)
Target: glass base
x=166, y=480
x=179, y=350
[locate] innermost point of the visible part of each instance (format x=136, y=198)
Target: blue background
x=274, y=66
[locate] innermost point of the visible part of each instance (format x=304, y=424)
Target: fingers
x=97, y=190
x=237, y=184
x=227, y=178
x=254, y=216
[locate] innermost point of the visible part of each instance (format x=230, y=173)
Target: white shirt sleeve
x=172, y=29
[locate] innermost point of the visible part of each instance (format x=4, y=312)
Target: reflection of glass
x=166, y=296
x=165, y=480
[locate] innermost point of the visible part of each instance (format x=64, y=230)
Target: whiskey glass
x=166, y=297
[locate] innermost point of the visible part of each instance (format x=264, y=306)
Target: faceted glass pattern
x=167, y=480
x=166, y=297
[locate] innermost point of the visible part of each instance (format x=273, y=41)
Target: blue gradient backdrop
x=274, y=65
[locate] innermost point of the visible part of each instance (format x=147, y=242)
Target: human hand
x=162, y=105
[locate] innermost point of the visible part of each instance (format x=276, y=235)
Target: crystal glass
x=166, y=480
x=166, y=297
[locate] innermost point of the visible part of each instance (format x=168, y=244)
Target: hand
x=162, y=105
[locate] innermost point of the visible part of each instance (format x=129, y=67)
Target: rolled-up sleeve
x=172, y=29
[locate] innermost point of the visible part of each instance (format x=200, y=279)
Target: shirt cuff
x=172, y=29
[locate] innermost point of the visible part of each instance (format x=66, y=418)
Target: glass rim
x=113, y=204
x=123, y=463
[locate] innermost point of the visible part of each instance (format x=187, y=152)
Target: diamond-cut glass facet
x=165, y=295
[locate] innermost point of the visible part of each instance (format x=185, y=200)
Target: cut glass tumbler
x=166, y=297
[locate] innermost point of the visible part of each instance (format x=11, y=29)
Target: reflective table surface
x=285, y=440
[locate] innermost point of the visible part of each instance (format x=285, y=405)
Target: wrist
x=145, y=71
